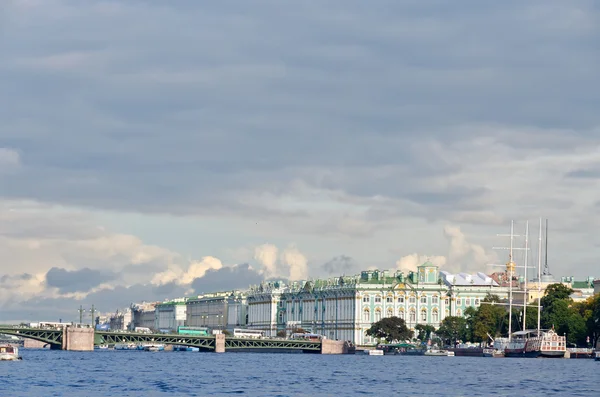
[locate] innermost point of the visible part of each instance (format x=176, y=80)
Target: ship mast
x=525, y=293
x=539, y=278
x=510, y=267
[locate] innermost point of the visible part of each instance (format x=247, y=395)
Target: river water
x=138, y=373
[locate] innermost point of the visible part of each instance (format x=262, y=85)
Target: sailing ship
x=535, y=343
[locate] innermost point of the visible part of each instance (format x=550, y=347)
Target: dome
x=510, y=266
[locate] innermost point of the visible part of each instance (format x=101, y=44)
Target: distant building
x=581, y=289
x=596, y=286
x=220, y=310
x=121, y=320
x=345, y=307
x=143, y=315
x=170, y=314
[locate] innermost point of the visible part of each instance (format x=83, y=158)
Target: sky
x=151, y=149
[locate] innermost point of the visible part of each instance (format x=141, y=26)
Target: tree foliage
x=424, y=331
x=392, y=329
x=453, y=329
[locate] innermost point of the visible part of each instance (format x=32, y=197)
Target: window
x=378, y=299
x=459, y=313
x=434, y=300
x=446, y=301
x=412, y=299
x=458, y=302
x=476, y=301
x=424, y=300
x=468, y=302
x=412, y=316
x=401, y=299
x=424, y=316
x=401, y=314
x=366, y=316
x=366, y=299
x=390, y=312
x=389, y=299
x=435, y=316
x=377, y=315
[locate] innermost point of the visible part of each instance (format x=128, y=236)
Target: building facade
x=143, y=315
x=170, y=314
x=344, y=308
x=220, y=310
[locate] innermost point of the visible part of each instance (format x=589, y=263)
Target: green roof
x=581, y=284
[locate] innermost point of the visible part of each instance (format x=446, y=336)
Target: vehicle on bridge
x=307, y=336
x=48, y=324
x=196, y=331
x=143, y=330
x=248, y=333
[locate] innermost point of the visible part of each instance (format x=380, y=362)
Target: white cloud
x=297, y=262
x=266, y=255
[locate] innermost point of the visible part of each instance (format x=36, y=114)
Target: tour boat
x=9, y=353
x=154, y=348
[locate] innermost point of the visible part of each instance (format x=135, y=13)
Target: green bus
x=196, y=331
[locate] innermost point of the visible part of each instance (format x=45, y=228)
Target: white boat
x=154, y=348
x=102, y=347
x=374, y=352
x=9, y=353
x=439, y=353
x=597, y=355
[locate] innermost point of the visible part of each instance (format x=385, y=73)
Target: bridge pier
x=78, y=339
x=220, y=343
x=329, y=346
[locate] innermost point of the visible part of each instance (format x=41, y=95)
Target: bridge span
x=84, y=339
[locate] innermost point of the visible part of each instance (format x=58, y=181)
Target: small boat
x=101, y=347
x=125, y=346
x=154, y=348
x=597, y=355
x=373, y=352
x=439, y=353
x=9, y=353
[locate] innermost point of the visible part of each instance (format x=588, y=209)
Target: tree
x=555, y=292
x=489, y=320
x=298, y=330
x=391, y=329
x=226, y=332
x=281, y=334
x=452, y=329
x=424, y=331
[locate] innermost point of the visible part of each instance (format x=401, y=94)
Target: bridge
x=71, y=338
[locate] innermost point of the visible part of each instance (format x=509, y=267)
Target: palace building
x=345, y=307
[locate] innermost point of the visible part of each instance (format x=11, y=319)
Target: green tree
x=391, y=329
x=489, y=321
x=281, y=334
x=424, y=331
x=452, y=329
x=555, y=292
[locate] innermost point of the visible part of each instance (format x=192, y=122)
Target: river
x=138, y=373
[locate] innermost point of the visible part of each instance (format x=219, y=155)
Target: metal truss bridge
x=54, y=337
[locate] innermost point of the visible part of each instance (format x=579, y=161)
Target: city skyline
x=150, y=150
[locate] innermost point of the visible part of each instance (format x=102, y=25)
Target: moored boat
x=154, y=348
x=597, y=355
x=439, y=353
x=553, y=345
x=9, y=353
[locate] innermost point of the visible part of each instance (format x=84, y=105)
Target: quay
x=76, y=338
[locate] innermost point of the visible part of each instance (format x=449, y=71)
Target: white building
x=345, y=307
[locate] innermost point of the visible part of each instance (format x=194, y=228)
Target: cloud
x=227, y=278
x=196, y=269
x=297, y=263
x=81, y=280
x=359, y=128
x=463, y=256
x=266, y=255
x=340, y=265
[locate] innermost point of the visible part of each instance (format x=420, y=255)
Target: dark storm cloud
x=51, y=309
x=111, y=112
x=340, y=265
x=227, y=278
x=81, y=280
